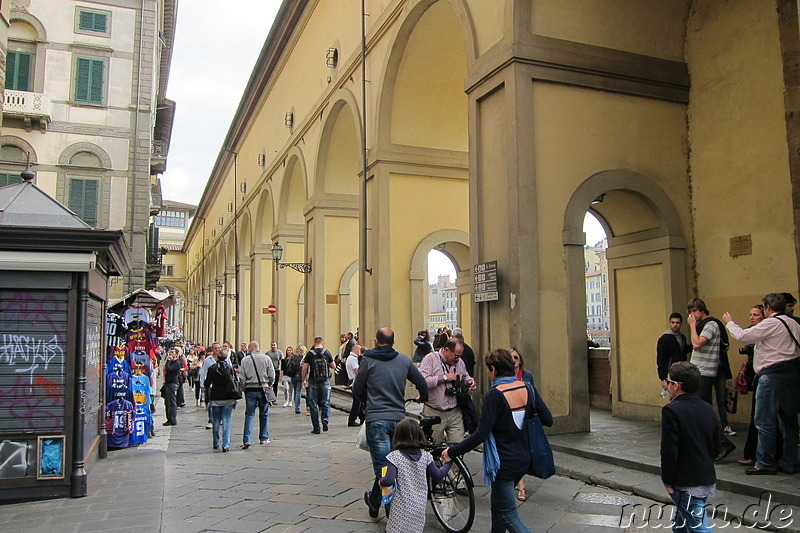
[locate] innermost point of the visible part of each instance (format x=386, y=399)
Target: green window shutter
x=89, y=81
x=83, y=199
x=88, y=21
x=18, y=71
x=9, y=179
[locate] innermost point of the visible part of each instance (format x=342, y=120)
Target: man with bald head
x=381, y=383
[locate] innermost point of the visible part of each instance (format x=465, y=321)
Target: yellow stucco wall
x=651, y=28
x=409, y=226
x=341, y=249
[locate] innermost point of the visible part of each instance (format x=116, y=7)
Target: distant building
x=443, y=299
x=171, y=224
x=596, y=272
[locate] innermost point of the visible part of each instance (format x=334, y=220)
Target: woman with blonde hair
x=297, y=378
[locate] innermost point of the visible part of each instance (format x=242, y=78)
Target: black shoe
x=784, y=471
x=725, y=451
x=168, y=423
x=373, y=511
x=324, y=425
x=245, y=445
x=216, y=447
x=758, y=471
x=225, y=449
x=353, y=424
x=315, y=431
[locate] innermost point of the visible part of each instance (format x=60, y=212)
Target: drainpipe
x=136, y=131
x=77, y=479
x=365, y=228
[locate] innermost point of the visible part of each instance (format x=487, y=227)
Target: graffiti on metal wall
x=17, y=459
x=28, y=354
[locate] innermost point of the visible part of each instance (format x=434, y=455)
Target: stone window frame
x=77, y=28
x=68, y=171
x=97, y=54
x=37, y=48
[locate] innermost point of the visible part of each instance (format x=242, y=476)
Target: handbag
x=468, y=414
x=361, y=439
x=267, y=392
x=233, y=389
x=542, y=463
x=741, y=383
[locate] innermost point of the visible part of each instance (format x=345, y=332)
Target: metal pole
x=78, y=484
x=365, y=227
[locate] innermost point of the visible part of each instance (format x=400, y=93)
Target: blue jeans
x=255, y=399
x=776, y=412
x=690, y=514
x=504, y=508
x=319, y=395
x=297, y=383
x=379, y=440
x=221, y=415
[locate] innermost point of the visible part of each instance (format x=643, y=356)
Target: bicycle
x=453, y=498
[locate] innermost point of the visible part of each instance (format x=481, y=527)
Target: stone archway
x=646, y=267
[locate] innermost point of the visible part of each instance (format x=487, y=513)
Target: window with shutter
x=18, y=70
x=89, y=21
x=9, y=179
x=83, y=199
x=89, y=80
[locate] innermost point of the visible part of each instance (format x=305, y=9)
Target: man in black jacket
x=689, y=443
x=671, y=348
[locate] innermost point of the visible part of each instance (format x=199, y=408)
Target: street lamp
x=198, y=304
x=232, y=296
x=277, y=254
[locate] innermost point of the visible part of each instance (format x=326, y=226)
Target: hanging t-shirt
x=115, y=331
x=161, y=321
x=118, y=386
x=135, y=312
x=142, y=393
x=142, y=422
x=119, y=423
x=141, y=338
x=120, y=364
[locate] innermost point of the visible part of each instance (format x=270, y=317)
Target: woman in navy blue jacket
x=502, y=431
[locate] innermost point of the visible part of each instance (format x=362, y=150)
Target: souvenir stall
x=132, y=333
x=54, y=271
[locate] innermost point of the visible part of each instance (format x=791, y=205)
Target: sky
x=206, y=80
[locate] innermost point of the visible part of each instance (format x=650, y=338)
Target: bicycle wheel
x=453, y=499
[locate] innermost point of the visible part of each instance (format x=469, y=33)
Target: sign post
x=484, y=277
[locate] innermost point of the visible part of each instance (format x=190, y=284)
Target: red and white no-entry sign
x=272, y=309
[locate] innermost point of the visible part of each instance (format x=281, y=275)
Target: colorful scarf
x=491, y=460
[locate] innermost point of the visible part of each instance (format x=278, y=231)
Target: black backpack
x=233, y=388
x=291, y=368
x=320, y=369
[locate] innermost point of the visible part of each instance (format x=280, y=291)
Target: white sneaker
x=286, y=404
x=290, y=405
x=728, y=431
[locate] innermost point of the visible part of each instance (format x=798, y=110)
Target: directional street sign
x=272, y=309
x=484, y=277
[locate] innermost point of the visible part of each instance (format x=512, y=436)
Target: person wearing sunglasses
x=689, y=444
x=526, y=376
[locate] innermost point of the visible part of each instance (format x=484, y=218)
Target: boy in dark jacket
x=689, y=444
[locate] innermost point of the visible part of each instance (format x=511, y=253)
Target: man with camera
x=445, y=374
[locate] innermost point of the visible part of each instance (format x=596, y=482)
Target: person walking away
x=286, y=380
x=380, y=384
x=219, y=400
x=409, y=467
x=777, y=366
x=258, y=377
x=356, y=408
x=502, y=431
x=689, y=444
x=172, y=370
x=316, y=369
x=207, y=364
x=423, y=344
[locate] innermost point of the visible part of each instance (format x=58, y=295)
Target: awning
x=143, y=298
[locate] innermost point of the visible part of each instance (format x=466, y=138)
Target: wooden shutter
x=89, y=81
x=9, y=179
x=89, y=21
x=83, y=199
x=18, y=71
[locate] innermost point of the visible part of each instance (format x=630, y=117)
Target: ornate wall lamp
x=198, y=304
x=277, y=255
x=232, y=296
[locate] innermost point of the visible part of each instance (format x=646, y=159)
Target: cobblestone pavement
x=299, y=482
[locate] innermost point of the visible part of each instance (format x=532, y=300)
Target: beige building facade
x=487, y=130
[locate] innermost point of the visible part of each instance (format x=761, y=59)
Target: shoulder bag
x=267, y=392
x=542, y=463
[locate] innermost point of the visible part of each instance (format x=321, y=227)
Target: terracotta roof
x=177, y=205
